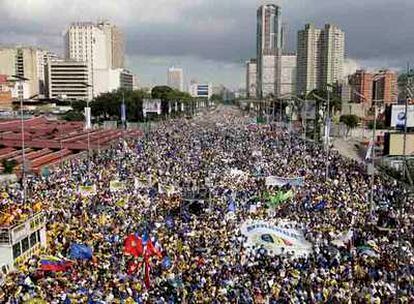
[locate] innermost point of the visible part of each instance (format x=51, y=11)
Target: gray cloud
x=377, y=31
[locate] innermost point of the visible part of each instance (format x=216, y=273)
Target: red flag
x=133, y=267
x=150, y=250
x=147, y=274
x=133, y=245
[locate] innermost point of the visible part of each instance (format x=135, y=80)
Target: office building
x=320, y=57
x=68, y=80
x=269, y=49
x=28, y=62
x=385, y=87
x=100, y=45
x=175, y=78
x=362, y=84
x=288, y=75
x=251, y=78
x=201, y=90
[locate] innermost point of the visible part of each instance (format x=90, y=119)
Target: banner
x=116, y=185
x=283, y=181
x=276, y=239
x=151, y=106
x=88, y=118
x=87, y=190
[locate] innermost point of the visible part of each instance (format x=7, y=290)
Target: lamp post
x=20, y=81
x=87, y=127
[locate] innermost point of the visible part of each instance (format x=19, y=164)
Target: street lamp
x=87, y=126
x=20, y=81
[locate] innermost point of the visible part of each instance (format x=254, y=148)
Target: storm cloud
x=211, y=39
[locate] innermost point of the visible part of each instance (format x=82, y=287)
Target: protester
x=189, y=186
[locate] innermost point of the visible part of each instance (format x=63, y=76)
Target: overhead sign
x=151, y=106
x=276, y=239
x=398, y=118
x=283, y=181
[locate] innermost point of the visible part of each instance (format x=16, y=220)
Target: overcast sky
x=211, y=39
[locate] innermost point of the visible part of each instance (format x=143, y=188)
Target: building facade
x=175, y=78
x=362, y=84
x=27, y=62
x=100, y=45
x=201, y=90
x=68, y=80
x=288, y=75
x=269, y=49
x=251, y=78
x=385, y=87
x=320, y=57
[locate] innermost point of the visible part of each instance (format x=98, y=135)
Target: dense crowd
x=178, y=189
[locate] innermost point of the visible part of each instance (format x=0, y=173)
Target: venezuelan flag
x=51, y=263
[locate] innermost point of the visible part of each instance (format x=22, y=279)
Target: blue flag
x=166, y=262
x=320, y=206
x=232, y=206
x=80, y=252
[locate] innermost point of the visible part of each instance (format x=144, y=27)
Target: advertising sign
x=394, y=144
x=282, y=181
x=151, y=106
x=275, y=239
x=398, y=116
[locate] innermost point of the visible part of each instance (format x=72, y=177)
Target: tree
x=351, y=121
x=78, y=105
x=73, y=116
x=8, y=166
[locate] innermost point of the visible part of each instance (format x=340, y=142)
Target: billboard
x=394, y=144
x=151, y=106
x=397, y=119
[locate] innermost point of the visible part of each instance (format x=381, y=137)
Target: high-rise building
x=251, y=78
x=203, y=90
x=320, y=57
x=362, y=84
x=385, y=88
x=288, y=74
x=332, y=55
x=100, y=45
x=269, y=49
x=26, y=62
x=68, y=80
x=175, y=78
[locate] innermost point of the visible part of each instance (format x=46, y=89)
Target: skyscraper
x=288, y=74
x=320, y=57
x=251, y=78
x=269, y=49
x=100, y=45
x=175, y=78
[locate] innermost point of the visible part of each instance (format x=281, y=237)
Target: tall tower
x=320, y=57
x=269, y=49
x=175, y=78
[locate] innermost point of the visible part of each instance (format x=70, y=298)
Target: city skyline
x=210, y=40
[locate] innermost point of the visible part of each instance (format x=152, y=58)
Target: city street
x=216, y=210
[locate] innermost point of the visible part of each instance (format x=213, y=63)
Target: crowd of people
x=178, y=187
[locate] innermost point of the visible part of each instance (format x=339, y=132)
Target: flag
x=123, y=113
x=51, y=263
x=280, y=197
x=231, y=206
x=320, y=206
x=368, y=156
x=133, y=245
x=166, y=262
x=80, y=252
x=147, y=275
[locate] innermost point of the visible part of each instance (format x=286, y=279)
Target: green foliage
x=74, y=116
x=217, y=98
x=380, y=125
x=108, y=105
x=78, y=105
x=8, y=166
x=161, y=92
x=403, y=82
x=351, y=121
x=335, y=102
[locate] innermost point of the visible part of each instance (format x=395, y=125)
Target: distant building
x=101, y=46
x=269, y=49
x=320, y=57
x=6, y=88
x=362, y=84
x=28, y=62
x=288, y=75
x=68, y=80
x=251, y=78
x=201, y=90
x=175, y=78
x=385, y=87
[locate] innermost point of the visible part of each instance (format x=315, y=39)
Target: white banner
x=398, y=118
x=87, y=118
x=275, y=239
x=151, y=106
x=282, y=181
x=87, y=190
x=116, y=185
